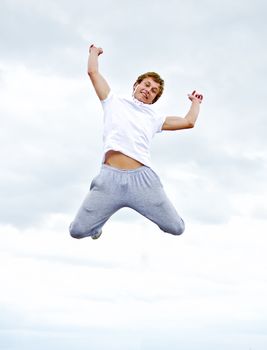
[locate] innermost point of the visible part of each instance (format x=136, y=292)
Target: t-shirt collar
x=139, y=103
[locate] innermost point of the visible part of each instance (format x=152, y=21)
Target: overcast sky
x=136, y=288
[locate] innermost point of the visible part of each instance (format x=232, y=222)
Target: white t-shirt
x=129, y=126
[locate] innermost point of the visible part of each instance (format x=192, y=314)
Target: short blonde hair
x=156, y=77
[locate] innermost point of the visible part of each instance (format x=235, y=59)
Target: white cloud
x=136, y=283
x=49, y=134
x=129, y=280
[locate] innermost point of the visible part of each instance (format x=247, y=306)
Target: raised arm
x=101, y=86
x=178, y=123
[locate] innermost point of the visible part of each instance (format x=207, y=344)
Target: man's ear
x=134, y=87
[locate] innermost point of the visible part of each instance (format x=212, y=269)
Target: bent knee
x=176, y=228
x=76, y=231
x=75, y=234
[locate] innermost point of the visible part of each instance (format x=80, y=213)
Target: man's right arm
x=102, y=88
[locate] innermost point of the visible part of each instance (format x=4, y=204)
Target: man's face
x=146, y=91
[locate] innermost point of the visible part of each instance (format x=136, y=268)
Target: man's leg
x=96, y=209
x=149, y=199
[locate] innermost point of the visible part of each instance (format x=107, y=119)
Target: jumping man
x=126, y=178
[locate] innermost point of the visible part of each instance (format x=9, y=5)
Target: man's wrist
x=196, y=101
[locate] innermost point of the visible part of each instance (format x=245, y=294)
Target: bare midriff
x=121, y=161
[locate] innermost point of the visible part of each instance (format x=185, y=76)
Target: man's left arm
x=178, y=123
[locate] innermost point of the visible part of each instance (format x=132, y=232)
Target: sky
x=136, y=288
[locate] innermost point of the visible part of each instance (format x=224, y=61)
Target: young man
x=126, y=178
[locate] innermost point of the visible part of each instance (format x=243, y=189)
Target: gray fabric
x=113, y=189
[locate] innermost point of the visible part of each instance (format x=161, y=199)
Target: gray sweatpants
x=113, y=189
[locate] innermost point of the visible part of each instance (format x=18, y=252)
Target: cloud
x=53, y=130
x=199, y=281
x=53, y=133
x=136, y=287
x=47, y=143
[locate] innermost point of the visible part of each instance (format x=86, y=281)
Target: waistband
x=125, y=171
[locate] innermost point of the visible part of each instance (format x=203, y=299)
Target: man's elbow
x=190, y=125
x=92, y=73
x=189, y=122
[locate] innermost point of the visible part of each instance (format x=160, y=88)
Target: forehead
x=151, y=81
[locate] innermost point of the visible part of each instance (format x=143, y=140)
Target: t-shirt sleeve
x=110, y=95
x=161, y=120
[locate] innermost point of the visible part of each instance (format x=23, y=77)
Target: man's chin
x=143, y=99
